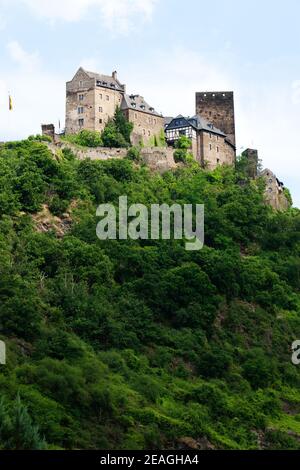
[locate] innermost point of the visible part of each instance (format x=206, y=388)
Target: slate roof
x=168, y=120
x=106, y=81
x=137, y=103
x=197, y=122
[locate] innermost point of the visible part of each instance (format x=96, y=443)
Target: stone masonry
x=218, y=109
x=92, y=99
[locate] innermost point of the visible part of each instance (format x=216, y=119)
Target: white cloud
x=169, y=80
x=118, y=15
x=20, y=56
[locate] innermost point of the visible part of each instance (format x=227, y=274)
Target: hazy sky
x=165, y=50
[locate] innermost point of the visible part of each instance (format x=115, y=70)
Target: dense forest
x=142, y=344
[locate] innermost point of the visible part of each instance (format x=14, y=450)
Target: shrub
x=40, y=138
x=181, y=154
x=117, y=131
x=58, y=206
x=111, y=137
x=88, y=138
x=183, y=143
x=134, y=154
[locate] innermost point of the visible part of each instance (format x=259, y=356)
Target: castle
x=92, y=99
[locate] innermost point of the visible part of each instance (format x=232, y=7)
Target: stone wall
x=146, y=126
x=97, y=153
x=106, y=103
x=160, y=159
x=99, y=104
x=49, y=130
x=218, y=109
x=215, y=151
x=274, y=194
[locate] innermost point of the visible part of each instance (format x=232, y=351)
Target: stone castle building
x=211, y=130
x=92, y=99
x=210, y=145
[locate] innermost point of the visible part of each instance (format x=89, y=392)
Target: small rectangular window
x=218, y=149
x=100, y=121
x=101, y=96
x=107, y=98
x=81, y=110
x=80, y=122
x=81, y=97
x=210, y=147
x=100, y=109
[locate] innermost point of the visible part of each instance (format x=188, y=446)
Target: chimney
x=115, y=75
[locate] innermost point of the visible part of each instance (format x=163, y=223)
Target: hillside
x=142, y=344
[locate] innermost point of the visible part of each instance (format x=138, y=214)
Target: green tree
x=182, y=145
x=17, y=431
x=117, y=131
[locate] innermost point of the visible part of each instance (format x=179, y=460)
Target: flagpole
x=9, y=118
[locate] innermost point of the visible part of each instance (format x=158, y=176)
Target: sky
x=165, y=50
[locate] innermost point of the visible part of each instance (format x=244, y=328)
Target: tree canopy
x=139, y=344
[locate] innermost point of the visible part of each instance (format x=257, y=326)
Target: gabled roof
x=179, y=121
x=105, y=81
x=197, y=122
x=137, y=103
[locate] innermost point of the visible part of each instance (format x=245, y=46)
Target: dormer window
x=143, y=106
x=133, y=105
x=151, y=109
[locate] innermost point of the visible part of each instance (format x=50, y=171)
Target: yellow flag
x=10, y=104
